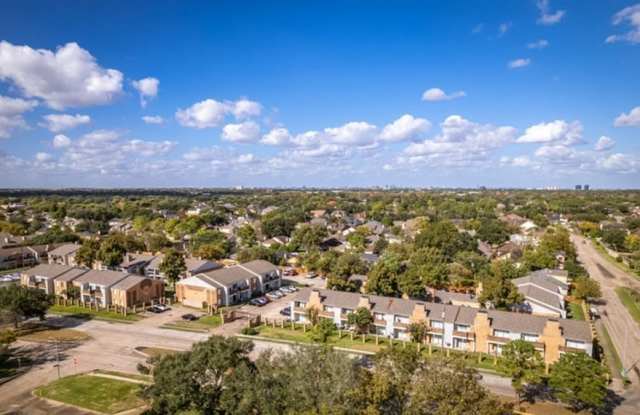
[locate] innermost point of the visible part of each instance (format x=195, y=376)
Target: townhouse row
x=133, y=263
x=449, y=326
x=96, y=287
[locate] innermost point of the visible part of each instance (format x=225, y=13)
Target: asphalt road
x=624, y=331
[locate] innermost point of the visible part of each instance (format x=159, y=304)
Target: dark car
x=285, y=311
x=190, y=317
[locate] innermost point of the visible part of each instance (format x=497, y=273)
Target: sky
x=526, y=93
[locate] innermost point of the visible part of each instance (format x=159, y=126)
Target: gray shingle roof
x=541, y=296
x=65, y=249
x=71, y=275
x=47, y=270
x=128, y=282
x=105, y=278
x=229, y=276
x=259, y=266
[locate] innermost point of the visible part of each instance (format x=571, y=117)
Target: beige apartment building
x=450, y=326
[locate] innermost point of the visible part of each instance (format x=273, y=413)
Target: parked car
x=311, y=275
x=162, y=307
x=273, y=295
x=286, y=311
x=286, y=289
x=190, y=317
x=258, y=302
x=263, y=300
x=157, y=309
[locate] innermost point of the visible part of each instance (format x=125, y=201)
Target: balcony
x=379, y=322
x=498, y=340
x=326, y=314
x=300, y=310
x=400, y=325
x=467, y=335
x=435, y=330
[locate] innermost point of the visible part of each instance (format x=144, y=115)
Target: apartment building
x=194, y=266
x=100, y=287
x=230, y=285
x=64, y=255
x=450, y=326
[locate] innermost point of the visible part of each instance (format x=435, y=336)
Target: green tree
x=497, y=287
x=523, y=364
x=384, y=276
x=24, y=302
x=195, y=380
x=585, y=288
x=615, y=238
x=112, y=251
x=247, y=235
x=173, y=265
x=211, y=251
x=308, y=236
x=579, y=381
x=361, y=319
x=322, y=331
x=418, y=331
x=88, y=252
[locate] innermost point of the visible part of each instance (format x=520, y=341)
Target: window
x=501, y=333
x=462, y=327
x=437, y=324
x=436, y=339
x=529, y=337
x=575, y=344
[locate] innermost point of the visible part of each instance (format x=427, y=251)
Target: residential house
x=230, y=285
x=450, y=326
x=194, y=266
x=95, y=285
x=64, y=255
x=132, y=263
x=543, y=293
x=513, y=220
x=17, y=257
x=528, y=226
x=276, y=240
x=508, y=250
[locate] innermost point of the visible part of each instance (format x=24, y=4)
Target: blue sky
x=355, y=93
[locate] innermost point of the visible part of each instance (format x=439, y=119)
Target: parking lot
x=272, y=308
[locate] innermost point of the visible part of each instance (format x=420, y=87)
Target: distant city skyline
x=527, y=94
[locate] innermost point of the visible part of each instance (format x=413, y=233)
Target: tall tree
x=88, y=252
x=579, y=381
x=361, y=319
x=173, y=265
x=523, y=364
x=24, y=302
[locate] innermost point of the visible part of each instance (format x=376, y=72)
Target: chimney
x=364, y=302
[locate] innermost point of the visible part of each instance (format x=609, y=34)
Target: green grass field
x=81, y=312
x=575, y=310
x=203, y=324
x=631, y=300
x=94, y=393
x=610, y=353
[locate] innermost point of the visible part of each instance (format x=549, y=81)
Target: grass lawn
x=156, y=351
x=81, y=312
x=631, y=300
x=134, y=376
x=95, y=393
x=49, y=334
x=204, y=323
x=575, y=310
x=610, y=353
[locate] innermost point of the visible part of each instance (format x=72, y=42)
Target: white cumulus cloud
x=405, y=128
x=68, y=77
x=352, y=133
x=244, y=108
x=604, y=143
x=147, y=88
x=61, y=122
x=558, y=131
x=276, y=137
x=204, y=114
x=437, y=94
x=631, y=16
x=632, y=119
x=11, y=110
x=61, y=141
x=244, y=132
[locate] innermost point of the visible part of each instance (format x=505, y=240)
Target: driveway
x=624, y=331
